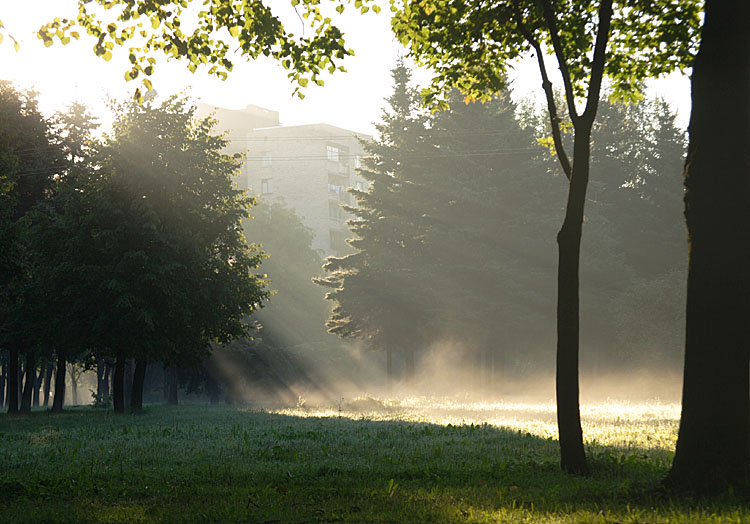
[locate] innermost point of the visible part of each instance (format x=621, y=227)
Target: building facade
x=309, y=167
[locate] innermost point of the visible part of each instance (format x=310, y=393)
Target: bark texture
x=572, y=454
x=58, y=401
x=713, y=446
x=13, y=379
x=28, y=387
x=136, y=391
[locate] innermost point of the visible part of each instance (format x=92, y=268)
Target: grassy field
x=363, y=460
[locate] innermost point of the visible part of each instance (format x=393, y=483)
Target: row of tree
x=454, y=237
x=125, y=248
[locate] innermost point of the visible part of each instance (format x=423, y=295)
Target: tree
x=470, y=45
x=145, y=254
x=713, y=444
x=29, y=161
x=153, y=28
x=449, y=235
x=375, y=289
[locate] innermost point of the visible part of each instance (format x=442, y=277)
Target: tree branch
x=549, y=18
x=547, y=86
x=597, y=66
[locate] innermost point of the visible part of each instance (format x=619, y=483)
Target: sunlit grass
x=651, y=425
x=352, y=460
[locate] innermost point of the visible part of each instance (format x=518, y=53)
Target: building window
x=357, y=162
x=266, y=186
x=266, y=159
x=333, y=153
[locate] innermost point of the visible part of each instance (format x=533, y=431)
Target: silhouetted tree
x=713, y=445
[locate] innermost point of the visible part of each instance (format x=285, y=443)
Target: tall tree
x=146, y=253
x=713, y=445
x=29, y=161
x=375, y=289
x=469, y=45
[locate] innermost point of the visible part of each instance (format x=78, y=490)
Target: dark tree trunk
x=136, y=391
x=389, y=369
x=713, y=445
x=572, y=455
x=172, y=399
x=48, y=382
x=73, y=385
x=13, y=379
x=3, y=379
x=28, y=388
x=59, y=400
x=118, y=386
x=105, y=382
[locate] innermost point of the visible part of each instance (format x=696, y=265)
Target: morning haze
x=374, y=262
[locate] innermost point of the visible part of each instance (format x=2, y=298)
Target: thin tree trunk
x=139, y=376
x=28, y=387
x=713, y=445
x=100, y=380
x=105, y=383
x=3, y=379
x=12, y=378
x=118, y=386
x=59, y=400
x=73, y=383
x=572, y=455
x=48, y=382
x=38, y=386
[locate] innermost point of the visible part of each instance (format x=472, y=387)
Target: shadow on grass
x=226, y=464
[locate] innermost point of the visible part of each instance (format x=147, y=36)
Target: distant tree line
x=120, y=251
x=454, y=239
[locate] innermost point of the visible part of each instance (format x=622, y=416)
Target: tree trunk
x=3, y=379
x=172, y=400
x=136, y=391
x=58, y=401
x=38, y=386
x=118, y=386
x=713, y=445
x=28, y=387
x=73, y=383
x=48, y=382
x=12, y=378
x=572, y=455
x=105, y=383
x=389, y=369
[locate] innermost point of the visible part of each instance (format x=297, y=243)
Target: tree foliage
x=205, y=35
x=144, y=254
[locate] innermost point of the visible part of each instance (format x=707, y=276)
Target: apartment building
x=310, y=167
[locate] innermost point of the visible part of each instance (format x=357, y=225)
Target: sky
x=352, y=100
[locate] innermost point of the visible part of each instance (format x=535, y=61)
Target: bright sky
x=353, y=100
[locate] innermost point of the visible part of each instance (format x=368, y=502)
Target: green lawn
x=365, y=460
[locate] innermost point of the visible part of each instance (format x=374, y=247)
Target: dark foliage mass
x=454, y=239
x=129, y=248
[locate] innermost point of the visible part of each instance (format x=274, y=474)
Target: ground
x=360, y=460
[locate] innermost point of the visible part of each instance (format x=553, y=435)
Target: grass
x=366, y=460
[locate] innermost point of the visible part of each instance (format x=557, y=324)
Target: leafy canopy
x=205, y=34
x=471, y=44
